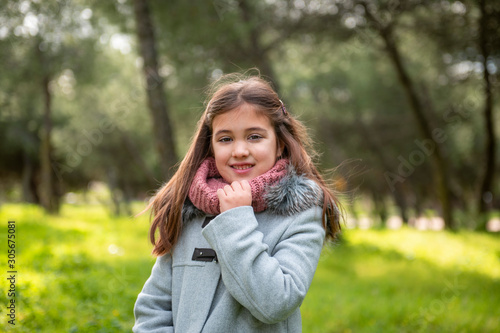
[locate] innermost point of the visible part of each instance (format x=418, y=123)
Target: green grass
x=406, y=281
x=77, y=272
x=81, y=272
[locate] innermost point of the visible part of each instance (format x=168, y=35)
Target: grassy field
x=81, y=272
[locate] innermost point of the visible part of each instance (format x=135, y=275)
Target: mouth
x=242, y=166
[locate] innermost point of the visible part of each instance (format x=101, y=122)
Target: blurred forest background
x=99, y=100
x=402, y=97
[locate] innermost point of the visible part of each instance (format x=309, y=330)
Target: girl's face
x=244, y=144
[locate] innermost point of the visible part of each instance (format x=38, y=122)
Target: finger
x=236, y=185
x=228, y=189
x=221, y=193
x=245, y=185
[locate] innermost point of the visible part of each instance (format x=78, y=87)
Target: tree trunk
x=48, y=195
x=162, y=129
x=416, y=105
x=28, y=184
x=114, y=191
x=440, y=167
x=379, y=208
x=256, y=52
x=486, y=192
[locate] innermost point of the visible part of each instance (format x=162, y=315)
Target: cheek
x=214, y=150
x=220, y=161
x=267, y=153
x=220, y=153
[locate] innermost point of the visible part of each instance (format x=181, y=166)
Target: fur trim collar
x=291, y=195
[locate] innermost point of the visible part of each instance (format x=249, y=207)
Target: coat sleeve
x=153, y=308
x=270, y=285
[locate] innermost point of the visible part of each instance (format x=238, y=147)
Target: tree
x=162, y=128
x=41, y=45
x=49, y=198
x=385, y=29
x=486, y=31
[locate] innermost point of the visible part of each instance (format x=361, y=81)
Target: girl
x=239, y=228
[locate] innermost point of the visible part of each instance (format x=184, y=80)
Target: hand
x=235, y=195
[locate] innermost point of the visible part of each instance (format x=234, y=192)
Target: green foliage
x=326, y=59
x=81, y=272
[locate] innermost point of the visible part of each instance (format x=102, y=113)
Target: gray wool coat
x=240, y=271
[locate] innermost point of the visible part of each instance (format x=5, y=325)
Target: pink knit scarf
x=207, y=180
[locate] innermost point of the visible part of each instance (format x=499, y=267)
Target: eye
x=224, y=139
x=254, y=137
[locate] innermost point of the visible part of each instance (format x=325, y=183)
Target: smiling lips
x=242, y=166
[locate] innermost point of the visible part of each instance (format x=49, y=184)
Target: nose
x=240, y=149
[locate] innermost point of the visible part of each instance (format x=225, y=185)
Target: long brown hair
x=229, y=93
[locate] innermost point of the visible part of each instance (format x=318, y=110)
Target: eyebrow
x=250, y=129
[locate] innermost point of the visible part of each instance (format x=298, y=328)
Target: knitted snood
x=207, y=180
